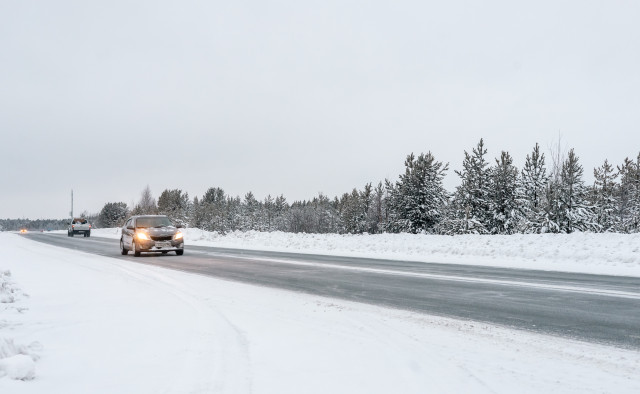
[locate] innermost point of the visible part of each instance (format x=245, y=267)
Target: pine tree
x=281, y=208
x=234, y=219
x=471, y=205
x=174, y=204
x=531, y=193
x=299, y=221
x=603, y=198
x=419, y=195
x=323, y=214
x=396, y=220
x=269, y=213
x=502, y=196
x=376, y=213
x=628, y=196
x=553, y=208
x=113, y=214
x=575, y=214
x=213, y=210
x=351, y=212
x=250, y=210
x=366, y=201
x=196, y=214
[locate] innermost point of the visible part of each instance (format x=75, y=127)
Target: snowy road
x=594, y=308
x=75, y=322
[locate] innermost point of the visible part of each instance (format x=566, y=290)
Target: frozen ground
x=92, y=324
x=608, y=254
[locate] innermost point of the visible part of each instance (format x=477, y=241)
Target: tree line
x=547, y=195
x=33, y=225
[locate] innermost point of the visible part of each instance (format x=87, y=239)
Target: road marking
x=454, y=278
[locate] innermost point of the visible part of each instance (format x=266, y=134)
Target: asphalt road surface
x=593, y=308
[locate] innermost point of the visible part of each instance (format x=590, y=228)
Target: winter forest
x=548, y=195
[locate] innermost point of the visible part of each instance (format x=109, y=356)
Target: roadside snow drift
x=16, y=361
x=102, y=325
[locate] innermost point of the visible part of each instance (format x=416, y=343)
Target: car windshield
x=153, y=221
x=80, y=221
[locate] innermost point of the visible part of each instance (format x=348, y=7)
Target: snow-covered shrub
x=8, y=290
x=18, y=361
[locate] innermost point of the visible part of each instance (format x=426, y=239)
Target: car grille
x=163, y=238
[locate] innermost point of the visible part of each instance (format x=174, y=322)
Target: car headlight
x=178, y=235
x=143, y=236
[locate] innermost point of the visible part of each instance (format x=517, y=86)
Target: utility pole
x=71, y=204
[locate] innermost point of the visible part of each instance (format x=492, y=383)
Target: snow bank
x=9, y=291
x=19, y=367
x=607, y=254
x=16, y=361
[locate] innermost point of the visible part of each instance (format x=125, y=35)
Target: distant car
x=151, y=233
x=23, y=231
x=79, y=226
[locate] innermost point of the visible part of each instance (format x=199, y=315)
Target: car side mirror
x=130, y=228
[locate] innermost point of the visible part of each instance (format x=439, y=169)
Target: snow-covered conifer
x=213, y=211
x=575, y=213
x=628, y=196
x=351, y=212
x=196, y=214
x=376, y=213
x=531, y=193
x=113, y=214
x=603, y=196
x=175, y=204
x=250, y=211
x=323, y=215
x=418, y=196
x=503, y=205
x=366, y=201
x=471, y=205
x=281, y=207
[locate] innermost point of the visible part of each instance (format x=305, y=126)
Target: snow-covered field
x=608, y=254
x=72, y=322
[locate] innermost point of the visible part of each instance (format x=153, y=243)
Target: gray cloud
x=297, y=98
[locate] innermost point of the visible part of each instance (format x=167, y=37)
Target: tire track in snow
x=227, y=350
x=230, y=349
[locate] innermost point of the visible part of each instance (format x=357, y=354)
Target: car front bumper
x=159, y=246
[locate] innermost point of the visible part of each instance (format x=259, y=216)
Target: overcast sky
x=298, y=97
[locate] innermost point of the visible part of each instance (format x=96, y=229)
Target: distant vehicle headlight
x=143, y=236
x=178, y=235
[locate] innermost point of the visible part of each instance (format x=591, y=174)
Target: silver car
x=151, y=234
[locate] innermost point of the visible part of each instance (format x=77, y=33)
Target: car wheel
x=88, y=234
x=68, y=233
x=71, y=234
x=164, y=252
x=180, y=252
x=133, y=249
x=123, y=250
